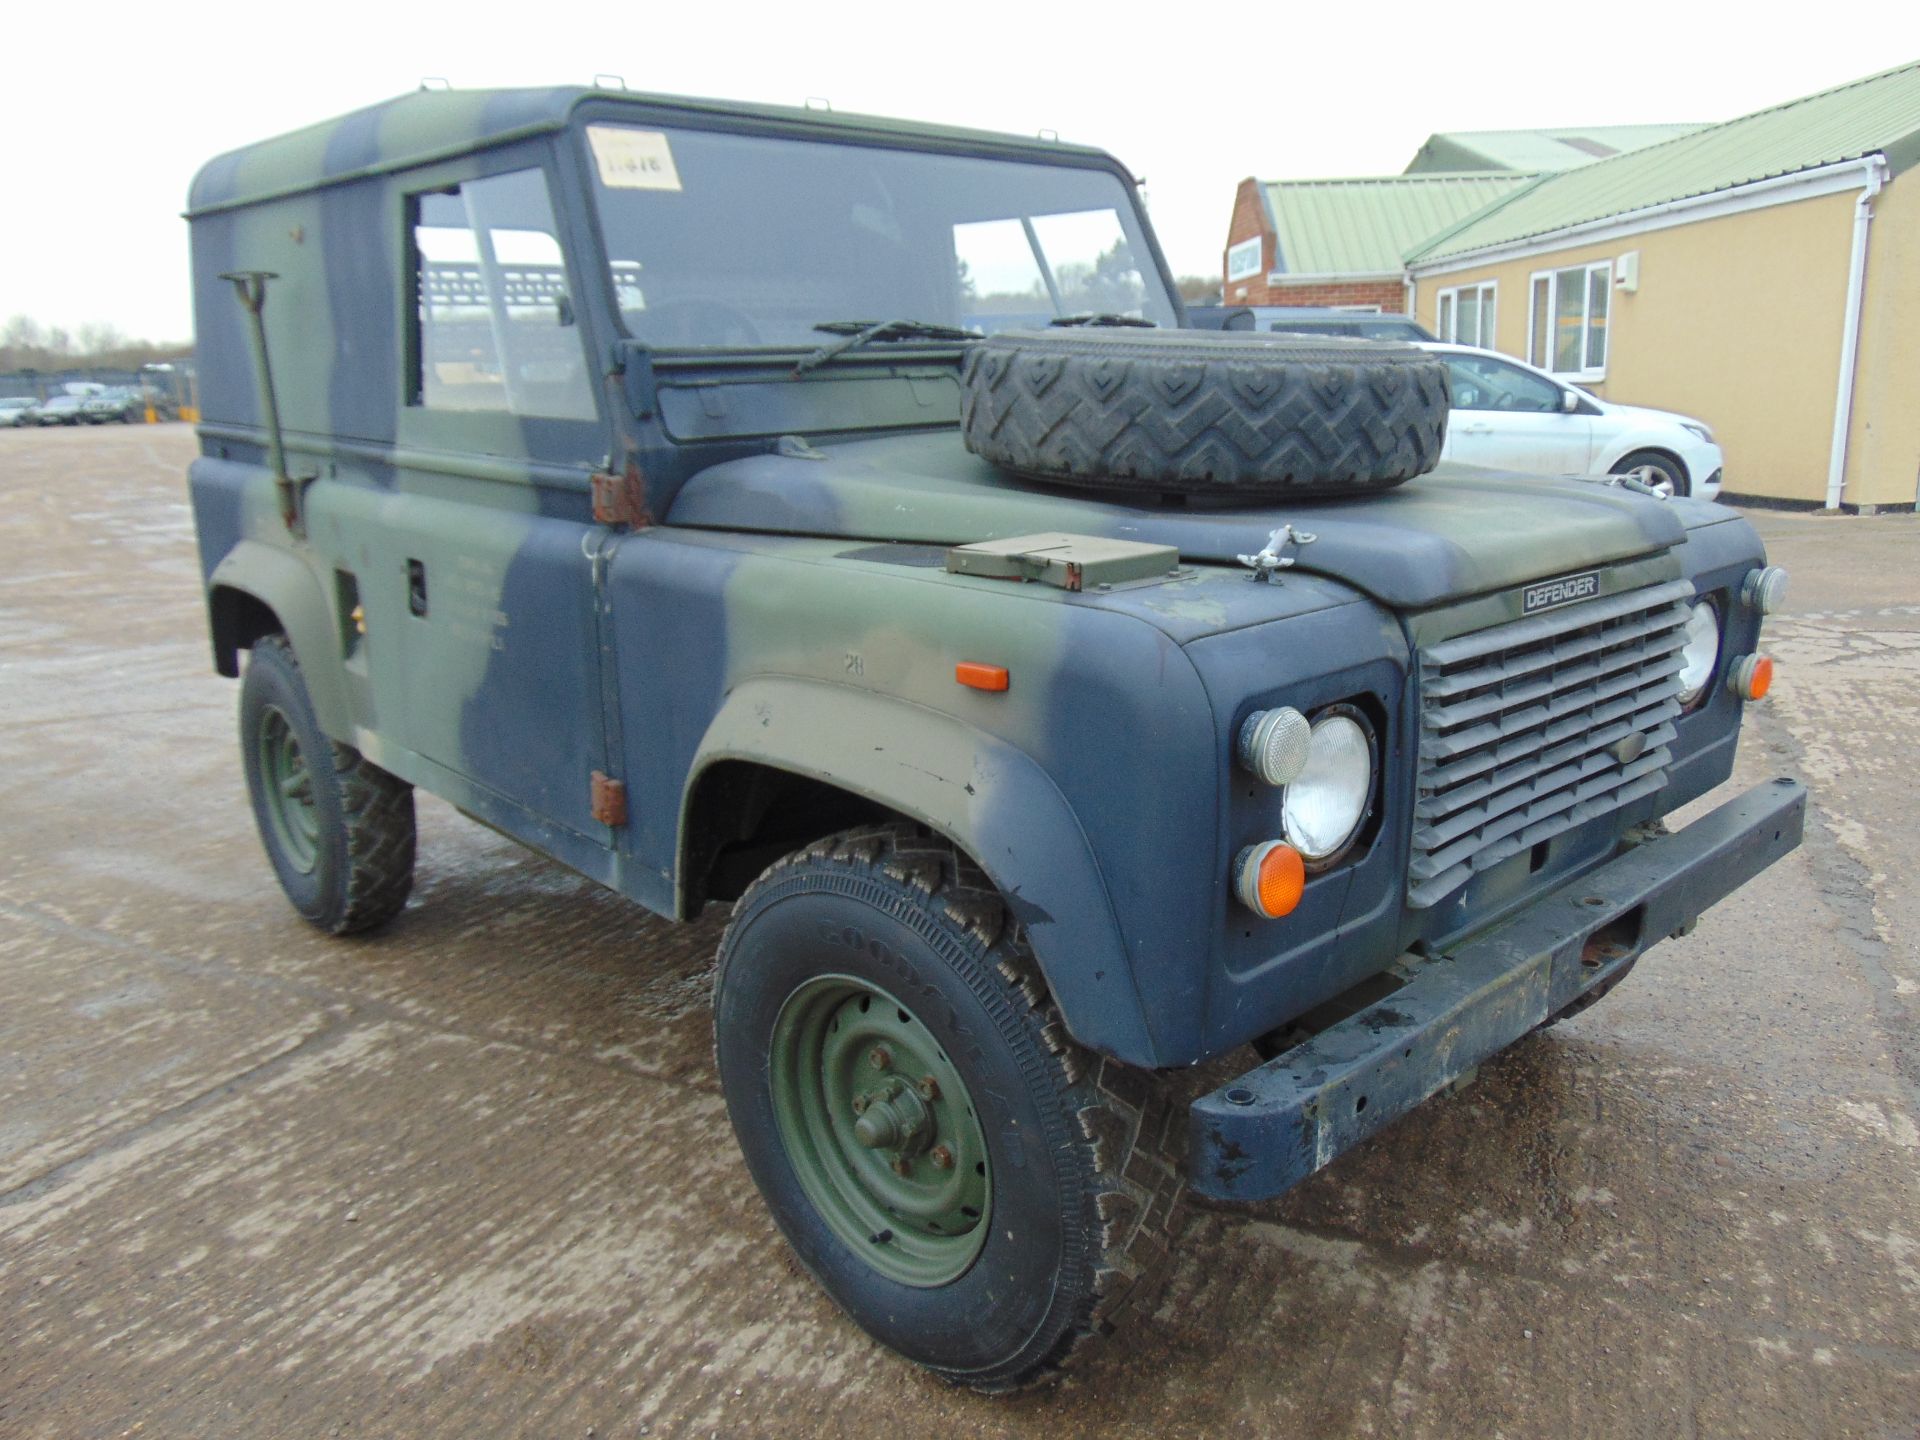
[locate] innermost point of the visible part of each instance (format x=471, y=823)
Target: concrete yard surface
x=472, y=1176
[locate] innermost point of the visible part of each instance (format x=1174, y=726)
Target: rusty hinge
x=621, y=499
x=609, y=800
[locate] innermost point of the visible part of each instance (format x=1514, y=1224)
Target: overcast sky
x=107, y=109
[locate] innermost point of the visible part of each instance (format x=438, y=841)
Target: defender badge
x=1564, y=591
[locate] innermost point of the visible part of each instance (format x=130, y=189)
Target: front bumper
x=1275, y=1125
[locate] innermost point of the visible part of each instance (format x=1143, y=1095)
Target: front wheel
x=1656, y=469
x=338, y=829
x=974, y=1189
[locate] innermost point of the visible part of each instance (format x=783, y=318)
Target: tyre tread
x=1204, y=415
x=1120, y=1118
x=378, y=816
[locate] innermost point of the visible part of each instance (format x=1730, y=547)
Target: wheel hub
x=287, y=784
x=893, y=1119
x=881, y=1130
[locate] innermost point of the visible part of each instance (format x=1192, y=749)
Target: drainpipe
x=1406, y=286
x=1876, y=174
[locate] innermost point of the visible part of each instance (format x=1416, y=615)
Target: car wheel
x=338, y=829
x=972, y=1188
x=1657, y=469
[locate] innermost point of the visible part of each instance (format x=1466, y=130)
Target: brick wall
x=1249, y=220
x=1389, y=295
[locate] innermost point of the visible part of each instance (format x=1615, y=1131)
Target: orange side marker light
x=1753, y=677
x=976, y=676
x=1270, y=878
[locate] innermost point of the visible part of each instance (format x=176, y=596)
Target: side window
x=494, y=322
x=1568, y=332
x=1464, y=315
x=1482, y=383
x=999, y=277
x=1024, y=271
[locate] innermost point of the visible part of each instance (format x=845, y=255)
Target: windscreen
x=723, y=240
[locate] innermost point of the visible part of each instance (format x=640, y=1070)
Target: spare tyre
x=1204, y=413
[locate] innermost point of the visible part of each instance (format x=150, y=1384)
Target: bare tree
x=28, y=345
x=98, y=337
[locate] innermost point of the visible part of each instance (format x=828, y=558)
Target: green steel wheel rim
x=287, y=784
x=880, y=1130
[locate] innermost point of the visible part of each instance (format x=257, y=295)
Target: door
x=485, y=542
x=1506, y=417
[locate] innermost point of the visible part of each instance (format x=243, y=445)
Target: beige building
x=1762, y=275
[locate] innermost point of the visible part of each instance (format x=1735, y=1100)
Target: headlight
x=1700, y=652
x=1326, y=802
x=1702, y=431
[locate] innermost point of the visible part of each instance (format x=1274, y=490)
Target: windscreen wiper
x=855, y=333
x=1100, y=318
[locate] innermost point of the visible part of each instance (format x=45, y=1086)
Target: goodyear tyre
x=1204, y=413
x=338, y=830
x=975, y=1190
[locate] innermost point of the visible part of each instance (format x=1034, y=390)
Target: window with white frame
x=1567, y=319
x=1465, y=315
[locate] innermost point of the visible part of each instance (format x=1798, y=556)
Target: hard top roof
x=429, y=125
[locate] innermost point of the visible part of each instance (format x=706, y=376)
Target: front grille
x=1522, y=729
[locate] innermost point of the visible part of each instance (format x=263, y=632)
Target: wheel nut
x=929, y=1088
x=902, y=1166
x=942, y=1157
x=860, y=1103
x=879, y=1058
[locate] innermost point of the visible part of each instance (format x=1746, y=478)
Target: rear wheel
x=1657, y=469
x=338, y=829
x=974, y=1189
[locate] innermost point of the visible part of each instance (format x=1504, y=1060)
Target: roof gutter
x=1875, y=167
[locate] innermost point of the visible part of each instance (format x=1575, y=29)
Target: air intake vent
x=1529, y=729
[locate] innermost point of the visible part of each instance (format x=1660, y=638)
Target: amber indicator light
x=1283, y=876
x=1270, y=878
x=976, y=676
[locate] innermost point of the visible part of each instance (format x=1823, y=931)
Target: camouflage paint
x=792, y=610
x=1455, y=532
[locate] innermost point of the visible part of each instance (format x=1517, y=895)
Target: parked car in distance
x=61, y=410
x=121, y=404
x=1308, y=320
x=17, y=409
x=1512, y=416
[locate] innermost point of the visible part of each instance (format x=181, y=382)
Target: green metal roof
x=1364, y=226
x=1877, y=115
x=1536, y=152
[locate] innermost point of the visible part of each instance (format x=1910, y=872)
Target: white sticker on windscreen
x=632, y=159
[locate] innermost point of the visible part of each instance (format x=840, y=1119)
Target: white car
x=1511, y=416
